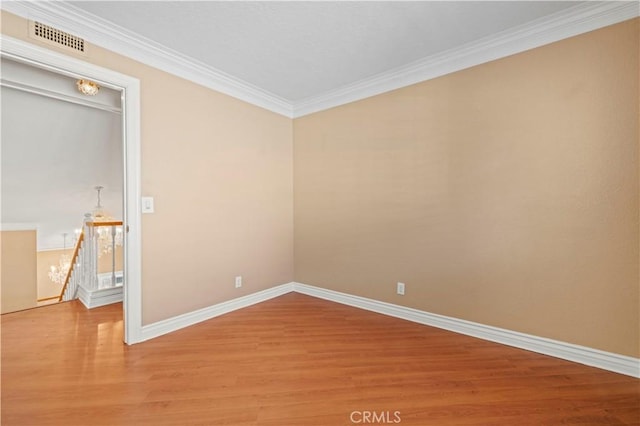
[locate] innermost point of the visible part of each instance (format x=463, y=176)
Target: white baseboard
x=190, y=318
x=580, y=354
x=97, y=298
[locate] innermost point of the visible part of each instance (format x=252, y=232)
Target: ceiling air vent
x=56, y=37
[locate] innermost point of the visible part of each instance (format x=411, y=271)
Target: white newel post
x=99, y=289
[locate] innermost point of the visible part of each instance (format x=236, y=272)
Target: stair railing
x=84, y=262
x=94, y=229
x=71, y=281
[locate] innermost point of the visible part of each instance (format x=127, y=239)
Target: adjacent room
x=61, y=160
x=320, y=213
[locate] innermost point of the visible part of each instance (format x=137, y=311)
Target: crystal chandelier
x=58, y=274
x=108, y=237
x=99, y=215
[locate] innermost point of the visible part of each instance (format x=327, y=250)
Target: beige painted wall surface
x=105, y=261
x=505, y=194
x=18, y=271
x=220, y=171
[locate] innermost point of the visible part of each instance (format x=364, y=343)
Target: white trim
x=62, y=64
x=567, y=23
x=15, y=226
x=580, y=354
x=593, y=357
x=102, y=297
x=132, y=220
x=564, y=24
x=101, y=32
x=40, y=250
x=40, y=91
x=190, y=318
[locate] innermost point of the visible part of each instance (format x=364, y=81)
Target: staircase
x=86, y=279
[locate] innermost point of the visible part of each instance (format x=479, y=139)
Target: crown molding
x=103, y=33
x=561, y=25
x=570, y=22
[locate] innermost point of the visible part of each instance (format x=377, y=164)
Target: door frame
x=130, y=88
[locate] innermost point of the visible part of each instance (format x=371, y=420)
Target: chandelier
x=87, y=87
x=99, y=215
x=109, y=236
x=58, y=274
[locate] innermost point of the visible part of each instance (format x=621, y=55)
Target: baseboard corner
x=169, y=325
x=584, y=355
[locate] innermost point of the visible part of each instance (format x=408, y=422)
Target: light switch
x=147, y=204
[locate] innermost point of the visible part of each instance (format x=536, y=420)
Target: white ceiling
x=299, y=57
x=55, y=151
x=298, y=50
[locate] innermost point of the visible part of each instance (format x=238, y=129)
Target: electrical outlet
x=238, y=282
x=400, y=289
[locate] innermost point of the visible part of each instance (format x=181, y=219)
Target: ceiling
x=299, y=57
x=56, y=146
x=298, y=50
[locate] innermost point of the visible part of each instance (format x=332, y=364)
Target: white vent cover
x=54, y=36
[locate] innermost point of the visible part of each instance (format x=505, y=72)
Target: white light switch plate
x=147, y=205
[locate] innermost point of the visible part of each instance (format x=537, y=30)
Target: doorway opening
x=42, y=60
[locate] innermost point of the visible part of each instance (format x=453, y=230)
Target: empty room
x=320, y=213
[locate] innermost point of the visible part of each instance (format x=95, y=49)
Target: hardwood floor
x=296, y=361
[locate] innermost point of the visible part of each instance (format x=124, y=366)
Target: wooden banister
x=73, y=263
x=48, y=298
x=96, y=224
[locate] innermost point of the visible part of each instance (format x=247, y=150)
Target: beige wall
x=105, y=261
x=18, y=271
x=505, y=194
x=221, y=174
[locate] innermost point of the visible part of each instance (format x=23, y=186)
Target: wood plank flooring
x=290, y=361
